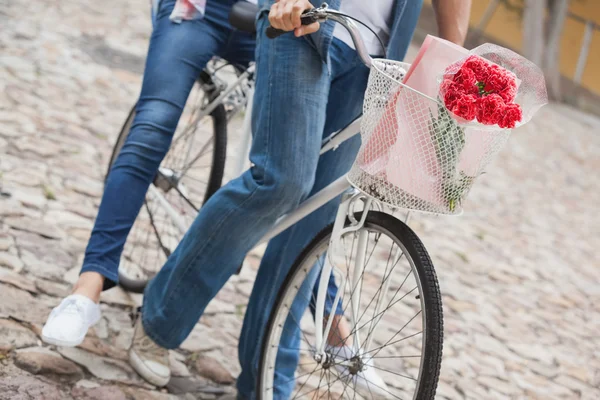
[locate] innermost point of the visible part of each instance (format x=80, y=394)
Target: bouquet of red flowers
x=483, y=91
x=473, y=89
x=479, y=95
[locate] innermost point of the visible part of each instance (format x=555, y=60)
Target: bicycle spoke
x=396, y=334
x=388, y=357
x=369, y=387
x=385, y=390
x=380, y=293
x=295, y=378
x=392, y=372
x=299, y=390
x=338, y=379
x=392, y=343
x=391, y=305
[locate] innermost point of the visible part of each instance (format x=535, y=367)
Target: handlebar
x=322, y=14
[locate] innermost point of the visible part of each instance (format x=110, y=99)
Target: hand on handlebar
x=285, y=15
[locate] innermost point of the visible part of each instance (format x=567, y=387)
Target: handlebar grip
x=273, y=33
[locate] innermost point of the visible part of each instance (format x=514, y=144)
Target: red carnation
x=496, y=77
x=490, y=109
x=502, y=82
x=447, y=85
x=466, y=107
x=466, y=78
x=509, y=92
x=451, y=92
x=511, y=115
x=479, y=66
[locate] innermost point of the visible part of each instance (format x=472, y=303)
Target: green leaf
x=449, y=141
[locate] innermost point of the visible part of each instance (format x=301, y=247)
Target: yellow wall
x=505, y=28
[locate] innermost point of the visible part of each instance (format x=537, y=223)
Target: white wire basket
x=414, y=155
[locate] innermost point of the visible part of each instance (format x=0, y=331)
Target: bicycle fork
x=350, y=200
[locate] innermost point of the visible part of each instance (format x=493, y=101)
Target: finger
x=307, y=29
x=275, y=16
x=286, y=18
x=297, y=10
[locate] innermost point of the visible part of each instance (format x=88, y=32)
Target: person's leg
x=175, y=59
x=340, y=330
x=176, y=56
x=348, y=84
x=292, y=92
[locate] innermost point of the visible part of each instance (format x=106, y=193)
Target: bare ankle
x=339, y=335
x=89, y=285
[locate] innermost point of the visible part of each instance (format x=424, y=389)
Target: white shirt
x=377, y=14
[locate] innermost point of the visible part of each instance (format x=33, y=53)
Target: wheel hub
x=328, y=362
x=354, y=366
x=357, y=365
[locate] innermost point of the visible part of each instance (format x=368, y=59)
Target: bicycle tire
x=217, y=170
x=433, y=347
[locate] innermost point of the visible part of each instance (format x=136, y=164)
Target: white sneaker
x=368, y=382
x=68, y=323
x=147, y=358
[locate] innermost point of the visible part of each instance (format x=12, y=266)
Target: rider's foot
x=68, y=323
x=149, y=359
x=368, y=383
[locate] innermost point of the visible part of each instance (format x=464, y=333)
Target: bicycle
x=407, y=289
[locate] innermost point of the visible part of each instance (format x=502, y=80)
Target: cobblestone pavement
x=519, y=272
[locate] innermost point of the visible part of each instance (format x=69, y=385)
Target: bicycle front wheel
x=389, y=294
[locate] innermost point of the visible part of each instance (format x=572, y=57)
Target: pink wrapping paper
x=435, y=55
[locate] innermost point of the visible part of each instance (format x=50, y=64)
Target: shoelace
x=144, y=344
x=151, y=350
x=73, y=307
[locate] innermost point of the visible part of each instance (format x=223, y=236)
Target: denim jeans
x=302, y=99
x=177, y=54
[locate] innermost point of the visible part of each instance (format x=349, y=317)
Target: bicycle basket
x=408, y=158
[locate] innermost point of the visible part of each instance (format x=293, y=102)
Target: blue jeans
x=177, y=55
x=302, y=99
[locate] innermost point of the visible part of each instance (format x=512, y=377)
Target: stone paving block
x=19, y=281
x=41, y=361
x=102, y=367
x=11, y=261
x=210, y=368
x=21, y=305
x=29, y=387
x=99, y=393
x=15, y=335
